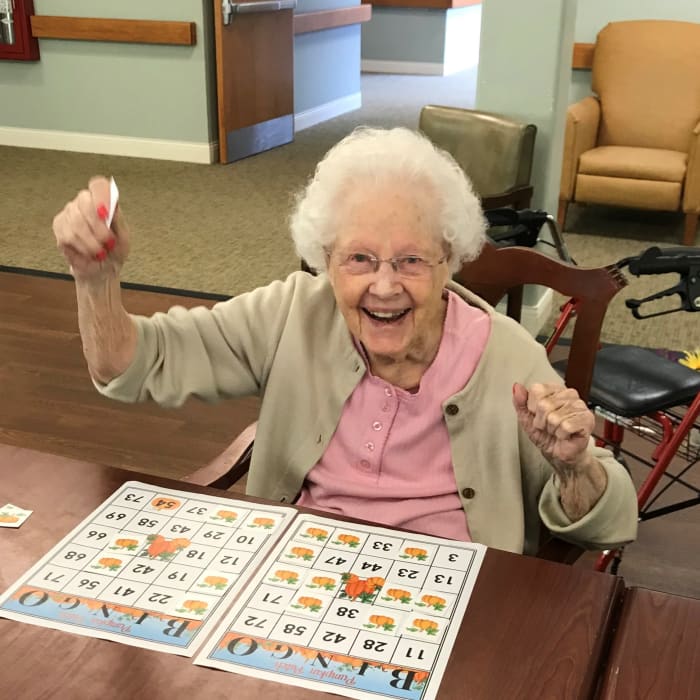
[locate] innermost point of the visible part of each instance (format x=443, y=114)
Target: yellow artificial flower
x=691, y=359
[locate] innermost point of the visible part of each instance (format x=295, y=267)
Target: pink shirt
x=389, y=460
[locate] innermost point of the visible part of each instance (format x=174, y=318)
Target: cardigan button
x=452, y=409
x=468, y=492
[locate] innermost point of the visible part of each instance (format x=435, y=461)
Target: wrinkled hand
x=92, y=250
x=557, y=421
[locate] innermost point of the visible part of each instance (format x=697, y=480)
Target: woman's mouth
x=386, y=316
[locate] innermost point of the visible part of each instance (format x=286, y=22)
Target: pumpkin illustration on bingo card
x=109, y=563
x=414, y=553
x=308, y=603
x=289, y=577
x=376, y=582
x=348, y=540
x=328, y=583
x=160, y=503
x=264, y=523
x=218, y=583
x=227, y=516
x=356, y=588
x=161, y=548
x=303, y=553
x=316, y=533
x=397, y=595
x=198, y=607
x=429, y=627
x=435, y=602
x=384, y=621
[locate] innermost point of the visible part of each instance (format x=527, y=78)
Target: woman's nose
x=386, y=280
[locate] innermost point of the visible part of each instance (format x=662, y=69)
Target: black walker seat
x=631, y=381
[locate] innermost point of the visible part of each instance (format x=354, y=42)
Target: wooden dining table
x=532, y=628
x=656, y=648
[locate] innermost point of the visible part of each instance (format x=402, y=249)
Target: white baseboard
x=328, y=110
x=107, y=144
x=369, y=65
x=534, y=317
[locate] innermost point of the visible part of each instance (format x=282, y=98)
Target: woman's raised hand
x=556, y=420
x=92, y=250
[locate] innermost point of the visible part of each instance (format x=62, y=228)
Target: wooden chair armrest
x=228, y=467
x=554, y=549
x=581, y=133
x=517, y=197
x=691, y=188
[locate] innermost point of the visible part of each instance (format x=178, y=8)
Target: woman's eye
x=359, y=258
x=412, y=260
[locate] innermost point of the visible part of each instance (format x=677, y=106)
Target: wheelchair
x=634, y=390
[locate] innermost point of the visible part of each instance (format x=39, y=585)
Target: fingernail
x=513, y=389
x=102, y=212
x=101, y=255
x=111, y=243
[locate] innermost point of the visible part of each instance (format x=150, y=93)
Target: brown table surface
x=532, y=629
x=656, y=648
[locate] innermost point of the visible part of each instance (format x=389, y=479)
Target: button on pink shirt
x=389, y=460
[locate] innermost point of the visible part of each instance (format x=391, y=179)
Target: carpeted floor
x=224, y=229
x=680, y=331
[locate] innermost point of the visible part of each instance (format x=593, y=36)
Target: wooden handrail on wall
x=184, y=33
x=140, y=31
x=329, y=19
x=178, y=33
x=425, y=4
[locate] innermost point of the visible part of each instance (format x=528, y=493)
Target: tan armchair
x=495, y=151
x=637, y=142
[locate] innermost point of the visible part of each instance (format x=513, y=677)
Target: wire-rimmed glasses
x=403, y=265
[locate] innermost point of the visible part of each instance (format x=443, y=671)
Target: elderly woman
x=389, y=393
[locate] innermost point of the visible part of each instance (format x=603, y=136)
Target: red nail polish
x=110, y=244
x=102, y=212
x=101, y=255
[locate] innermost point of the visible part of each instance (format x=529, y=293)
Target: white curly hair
x=379, y=156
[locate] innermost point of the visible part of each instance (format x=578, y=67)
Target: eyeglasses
x=404, y=265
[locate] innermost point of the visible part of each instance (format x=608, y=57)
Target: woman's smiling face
x=395, y=317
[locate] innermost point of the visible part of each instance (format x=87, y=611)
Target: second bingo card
x=351, y=609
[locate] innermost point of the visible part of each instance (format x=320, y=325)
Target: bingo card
x=150, y=567
x=352, y=609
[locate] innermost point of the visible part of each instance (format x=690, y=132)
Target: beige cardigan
x=288, y=343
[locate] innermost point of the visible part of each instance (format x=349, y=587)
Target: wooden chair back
x=501, y=272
